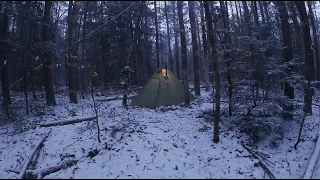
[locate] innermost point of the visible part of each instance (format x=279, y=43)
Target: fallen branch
x=301, y=127
x=40, y=173
x=262, y=155
x=115, y=98
x=10, y=170
x=66, y=122
x=25, y=166
x=264, y=167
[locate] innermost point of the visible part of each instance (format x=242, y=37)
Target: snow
x=313, y=160
x=169, y=142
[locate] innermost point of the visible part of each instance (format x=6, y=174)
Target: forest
x=159, y=89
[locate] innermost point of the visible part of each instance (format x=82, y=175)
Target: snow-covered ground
x=171, y=142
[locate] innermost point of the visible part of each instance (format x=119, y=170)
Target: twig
x=25, y=166
x=264, y=167
x=288, y=166
x=10, y=170
x=301, y=127
x=263, y=157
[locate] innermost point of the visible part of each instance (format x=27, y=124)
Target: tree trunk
x=237, y=13
x=184, y=53
x=157, y=33
x=309, y=65
x=168, y=35
x=47, y=62
x=194, y=48
x=201, y=59
x=262, y=12
x=212, y=41
x=3, y=57
x=248, y=30
x=148, y=61
x=176, y=34
x=298, y=48
x=30, y=63
x=227, y=43
x=205, y=48
x=265, y=7
x=288, y=50
x=247, y=17
x=240, y=12
x=255, y=13
x=83, y=63
x=287, y=43
x=24, y=37
x=72, y=51
x=315, y=41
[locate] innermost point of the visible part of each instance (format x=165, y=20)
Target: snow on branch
x=40, y=173
x=66, y=122
x=115, y=98
x=25, y=166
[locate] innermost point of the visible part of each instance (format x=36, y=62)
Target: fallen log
x=40, y=173
x=66, y=122
x=36, y=149
x=264, y=167
x=115, y=98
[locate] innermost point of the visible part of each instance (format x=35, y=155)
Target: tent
x=163, y=89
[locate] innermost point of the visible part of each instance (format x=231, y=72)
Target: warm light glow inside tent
x=163, y=89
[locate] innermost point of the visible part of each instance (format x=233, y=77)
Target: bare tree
x=309, y=66
x=73, y=11
x=135, y=43
x=237, y=13
x=84, y=26
x=176, y=45
x=262, y=12
x=288, y=50
x=3, y=56
x=205, y=47
x=315, y=41
x=298, y=43
x=157, y=33
x=212, y=41
x=24, y=56
x=183, y=52
x=194, y=48
x=226, y=52
x=47, y=61
x=168, y=35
